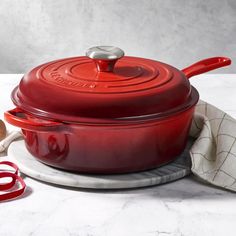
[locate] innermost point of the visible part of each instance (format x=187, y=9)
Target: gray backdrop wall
x=178, y=32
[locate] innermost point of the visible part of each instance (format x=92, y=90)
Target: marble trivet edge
x=28, y=165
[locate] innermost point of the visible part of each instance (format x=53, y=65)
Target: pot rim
x=192, y=101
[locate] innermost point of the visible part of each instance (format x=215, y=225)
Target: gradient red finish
x=110, y=149
x=107, y=145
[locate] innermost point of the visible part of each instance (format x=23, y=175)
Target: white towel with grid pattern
x=213, y=153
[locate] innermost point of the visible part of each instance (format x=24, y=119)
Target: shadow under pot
x=107, y=113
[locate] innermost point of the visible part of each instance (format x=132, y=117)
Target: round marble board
x=28, y=165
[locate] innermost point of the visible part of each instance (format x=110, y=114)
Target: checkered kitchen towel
x=214, y=152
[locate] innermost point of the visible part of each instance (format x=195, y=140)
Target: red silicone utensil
x=11, y=193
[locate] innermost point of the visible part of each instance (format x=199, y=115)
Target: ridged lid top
x=103, y=84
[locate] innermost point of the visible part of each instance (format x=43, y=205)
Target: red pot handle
x=206, y=65
x=19, y=118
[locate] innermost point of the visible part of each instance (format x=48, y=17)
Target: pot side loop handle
x=205, y=66
x=19, y=118
x=105, y=57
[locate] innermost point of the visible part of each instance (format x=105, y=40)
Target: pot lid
x=102, y=84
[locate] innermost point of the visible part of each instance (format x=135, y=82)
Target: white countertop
x=182, y=208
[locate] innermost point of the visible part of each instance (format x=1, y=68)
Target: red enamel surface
x=106, y=148
x=111, y=149
x=133, y=117
x=206, y=65
x=72, y=88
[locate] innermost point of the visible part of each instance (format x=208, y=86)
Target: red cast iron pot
x=107, y=113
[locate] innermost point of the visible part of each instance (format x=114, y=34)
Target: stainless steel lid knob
x=105, y=57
